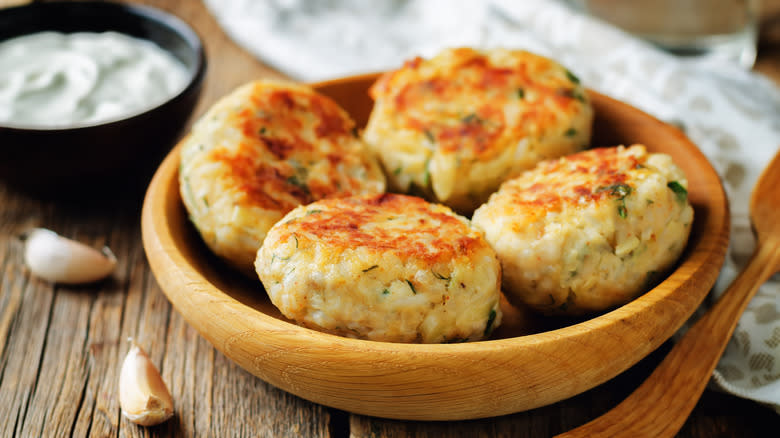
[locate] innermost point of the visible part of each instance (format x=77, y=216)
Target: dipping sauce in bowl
x=55, y=79
x=92, y=95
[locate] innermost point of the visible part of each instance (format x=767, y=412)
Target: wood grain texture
x=213, y=396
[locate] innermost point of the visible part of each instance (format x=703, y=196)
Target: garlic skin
x=143, y=396
x=60, y=260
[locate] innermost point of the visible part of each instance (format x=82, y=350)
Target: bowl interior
x=529, y=362
x=612, y=126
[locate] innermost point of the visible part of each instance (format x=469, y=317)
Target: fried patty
x=261, y=151
x=382, y=267
x=455, y=126
x=589, y=231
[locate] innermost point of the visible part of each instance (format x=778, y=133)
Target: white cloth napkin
x=733, y=115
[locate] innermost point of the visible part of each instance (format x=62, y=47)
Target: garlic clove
x=60, y=260
x=143, y=396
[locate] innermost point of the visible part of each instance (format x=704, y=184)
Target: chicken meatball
x=589, y=231
x=382, y=267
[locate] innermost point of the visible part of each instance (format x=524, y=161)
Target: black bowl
x=106, y=156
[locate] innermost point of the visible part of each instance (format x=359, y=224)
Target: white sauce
x=51, y=79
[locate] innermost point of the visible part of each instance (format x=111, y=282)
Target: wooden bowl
x=530, y=362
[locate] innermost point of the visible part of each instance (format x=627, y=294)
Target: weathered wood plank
x=61, y=347
x=62, y=371
x=25, y=342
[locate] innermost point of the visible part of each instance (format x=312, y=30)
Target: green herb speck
x=355, y=132
x=429, y=135
x=571, y=132
x=262, y=130
x=397, y=171
x=520, y=93
x=275, y=257
x=386, y=291
x=448, y=280
x=471, y=118
x=313, y=211
x=427, y=175
x=411, y=286
x=489, y=324
x=572, y=77
x=439, y=276
x=293, y=180
x=621, y=191
x=679, y=190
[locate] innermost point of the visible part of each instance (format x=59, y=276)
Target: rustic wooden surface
x=61, y=347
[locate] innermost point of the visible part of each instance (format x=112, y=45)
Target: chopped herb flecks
x=572, y=77
x=355, y=132
x=490, y=321
x=427, y=175
x=571, y=132
x=397, y=171
x=442, y=277
x=411, y=286
x=471, y=118
x=679, y=190
x=386, y=291
x=430, y=136
x=313, y=211
x=520, y=93
x=262, y=130
x=293, y=180
x=275, y=257
x=621, y=191
x=370, y=268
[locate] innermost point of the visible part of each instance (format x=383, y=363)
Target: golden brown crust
x=585, y=232
x=580, y=179
x=263, y=150
x=455, y=126
x=406, y=226
x=486, y=88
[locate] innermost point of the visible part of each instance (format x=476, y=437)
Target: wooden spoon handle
x=660, y=406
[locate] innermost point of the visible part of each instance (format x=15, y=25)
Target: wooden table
x=61, y=347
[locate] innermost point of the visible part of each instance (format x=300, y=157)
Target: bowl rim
x=250, y=329
x=196, y=72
